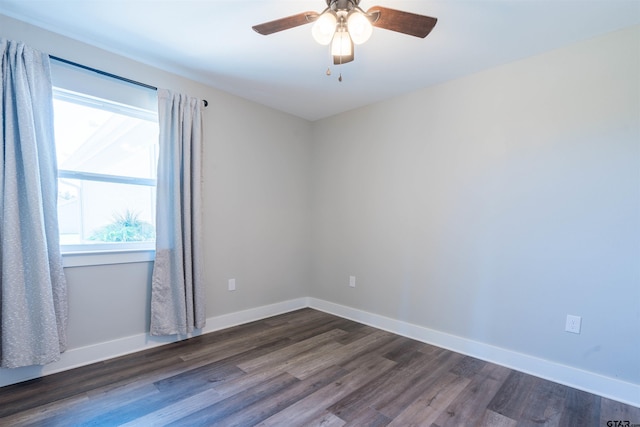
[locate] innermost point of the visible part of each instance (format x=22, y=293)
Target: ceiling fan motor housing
x=342, y=5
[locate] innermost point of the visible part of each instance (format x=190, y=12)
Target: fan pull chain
x=328, y=73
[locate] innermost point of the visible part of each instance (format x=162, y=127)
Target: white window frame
x=77, y=85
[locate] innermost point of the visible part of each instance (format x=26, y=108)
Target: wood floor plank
x=301, y=365
x=249, y=415
x=493, y=419
x=301, y=333
x=338, y=356
x=314, y=405
x=419, y=382
x=200, y=377
x=402, y=349
x=98, y=403
x=611, y=410
x=426, y=409
x=177, y=410
x=216, y=413
x=168, y=395
x=356, y=333
x=303, y=368
x=580, y=409
x=470, y=404
x=468, y=367
x=241, y=340
x=223, y=344
x=298, y=317
x=545, y=405
x=367, y=416
x=282, y=355
x=68, y=385
x=514, y=396
x=264, y=408
x=45, y=412
x=326, y=419
x=394, y=381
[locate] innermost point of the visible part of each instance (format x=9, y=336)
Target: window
x=107, y=156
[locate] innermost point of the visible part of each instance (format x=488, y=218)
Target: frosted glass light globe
x=324, y=28
x=359, y=27
x=341, y=45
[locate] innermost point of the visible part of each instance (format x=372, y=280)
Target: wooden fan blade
x=402, y=22
x=285, y=23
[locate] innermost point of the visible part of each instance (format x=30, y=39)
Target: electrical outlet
x=352, y=281
x=232, y=284
x=573, y=324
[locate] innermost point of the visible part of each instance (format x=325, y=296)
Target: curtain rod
x=104, y=73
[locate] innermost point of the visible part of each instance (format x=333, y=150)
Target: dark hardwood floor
x=304, y=368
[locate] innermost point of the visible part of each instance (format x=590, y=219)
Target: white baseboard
x=76, y=357
x=608, y=387
x=612, y=388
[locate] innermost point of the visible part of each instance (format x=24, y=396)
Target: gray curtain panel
x=33, y=299
x=177, y=291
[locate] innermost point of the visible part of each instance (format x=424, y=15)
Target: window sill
x=106, y=257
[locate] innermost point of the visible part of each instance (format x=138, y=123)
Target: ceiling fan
x=343, y=23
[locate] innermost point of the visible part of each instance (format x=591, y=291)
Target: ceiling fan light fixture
x=359, y=26
x=343, y=24
x=324, y=28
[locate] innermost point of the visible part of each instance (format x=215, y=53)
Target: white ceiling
x=211, y=41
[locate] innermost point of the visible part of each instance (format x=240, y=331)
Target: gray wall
x=492, y=206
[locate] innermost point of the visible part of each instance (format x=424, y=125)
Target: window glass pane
x=107, y=158
x=97, y=212
x=98, y=140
